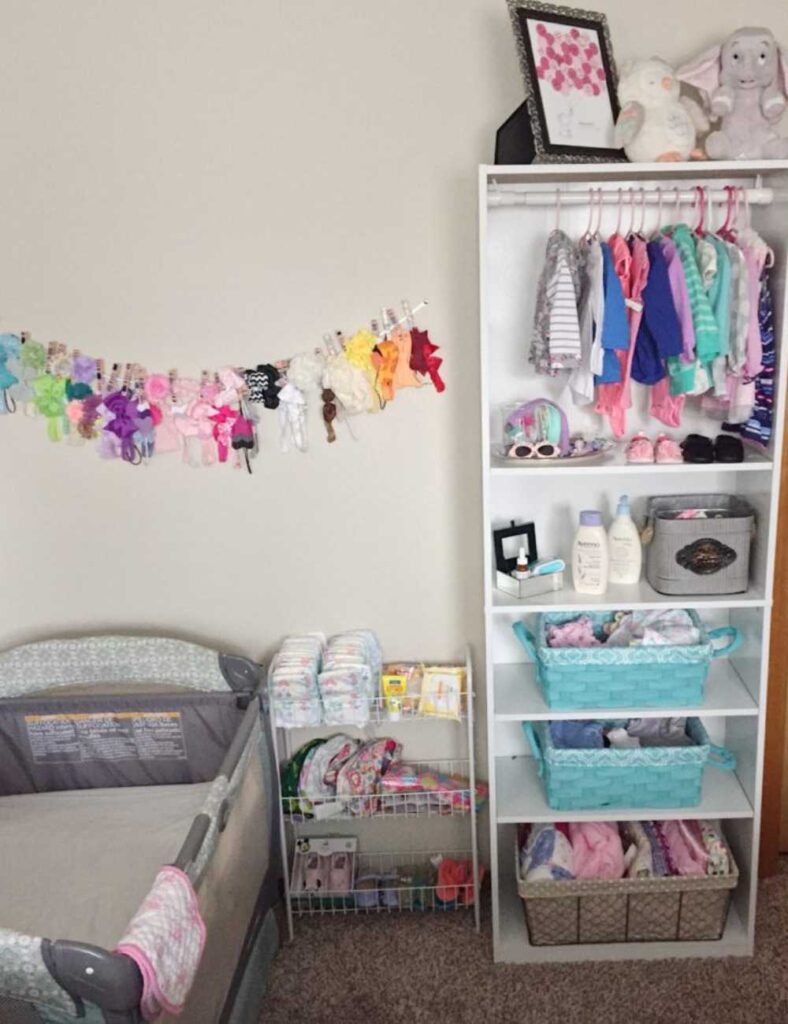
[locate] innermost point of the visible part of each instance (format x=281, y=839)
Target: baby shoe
x=728, y=449
x=341, y=869
x=640, y=449
x=367, y=892
x=389, y=891
x=314, y=873
x=667, y=451
x=697, y=448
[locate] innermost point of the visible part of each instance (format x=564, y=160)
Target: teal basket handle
x=526, y=638
x=721, y=757
x=533, y=740
x=733, y=644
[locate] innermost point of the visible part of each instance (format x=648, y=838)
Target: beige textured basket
x=565, y=913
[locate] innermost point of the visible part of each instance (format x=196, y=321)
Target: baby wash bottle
x=624, y=550
x=589, y=555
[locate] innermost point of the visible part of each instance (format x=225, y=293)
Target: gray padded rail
x=49, y=664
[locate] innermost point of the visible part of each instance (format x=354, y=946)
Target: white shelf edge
x=626, y=469
x=520, y=798
x=574, y=603
x=725, y=694
x=589, y=171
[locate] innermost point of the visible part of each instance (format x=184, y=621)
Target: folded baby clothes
x=719, y=860
x=579, y=735
x=597, y=849
x=660, y=732
x=645, y=856
x=619, y=737
x=577, y=632
x=650, y=628
x=638, y=859
x=547, y=855
x=687, y=853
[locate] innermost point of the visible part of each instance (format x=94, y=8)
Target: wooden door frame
x=774, y=746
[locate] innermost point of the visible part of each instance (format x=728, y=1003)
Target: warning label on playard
x=121, y=736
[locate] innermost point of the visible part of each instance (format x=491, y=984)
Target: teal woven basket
x=585, y=779
x=573, y=678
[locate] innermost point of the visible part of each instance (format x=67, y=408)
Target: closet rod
x=526, y=195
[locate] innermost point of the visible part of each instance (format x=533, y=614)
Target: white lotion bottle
x=589, y=555
x=625, y=553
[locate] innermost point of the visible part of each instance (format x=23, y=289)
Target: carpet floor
x=430, y=969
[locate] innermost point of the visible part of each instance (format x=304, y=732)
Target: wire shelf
x=360, y=712
x=434, y=802
x=388, y=883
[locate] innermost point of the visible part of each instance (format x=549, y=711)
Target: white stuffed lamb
x=655, y=122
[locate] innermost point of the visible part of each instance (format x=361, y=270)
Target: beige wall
x=185, y=182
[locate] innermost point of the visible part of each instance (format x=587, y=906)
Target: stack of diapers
x=350, y=677
x=293, y=682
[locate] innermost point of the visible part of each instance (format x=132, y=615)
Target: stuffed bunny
x=745, y=81
x=655, y=123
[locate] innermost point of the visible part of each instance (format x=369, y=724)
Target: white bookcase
x=513, y=232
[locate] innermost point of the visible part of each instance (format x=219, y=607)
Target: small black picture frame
x=566, y=59
x=527, y=530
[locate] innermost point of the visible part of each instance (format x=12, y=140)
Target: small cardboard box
x=324, y=846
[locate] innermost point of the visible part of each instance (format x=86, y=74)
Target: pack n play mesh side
x=153, y=718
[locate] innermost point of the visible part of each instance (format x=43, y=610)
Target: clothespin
x=113, y=377
x=100, y=376
x=171, y=376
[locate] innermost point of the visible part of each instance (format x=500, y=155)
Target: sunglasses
x=537, y=450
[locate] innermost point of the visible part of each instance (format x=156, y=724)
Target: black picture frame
x=546, y=148
x=527, y=530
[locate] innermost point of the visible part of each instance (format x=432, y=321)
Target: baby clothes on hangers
x=720, y=298
x=659, y=335
x=666, y=406
x=758, y=427
x=707, y=342
x=615, y=327
x=614, y=399
x=555, y=344
x=740, y=309
x=591, y=320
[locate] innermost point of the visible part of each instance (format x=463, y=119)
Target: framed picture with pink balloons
x=570, y=77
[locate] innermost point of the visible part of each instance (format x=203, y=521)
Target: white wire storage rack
x=395, y=879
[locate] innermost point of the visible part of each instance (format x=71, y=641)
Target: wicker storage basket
x=622, y=677
x=578, y=779
x=699, y=556
x=561, y=913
